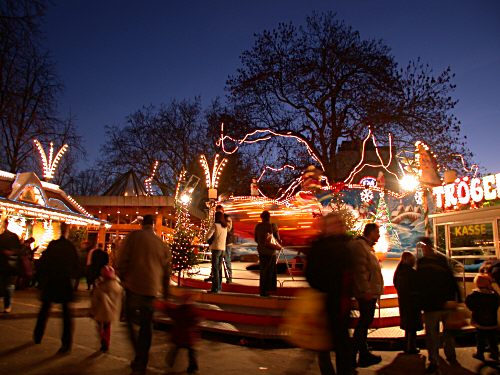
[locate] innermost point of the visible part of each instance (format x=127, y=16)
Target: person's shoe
x=229, y=281
x=369, y=360
x=479, y=356
x=7, y=309
x=64, y=350
x=192, y=370
x=412, y=351
x=207, y=280
x=104, y=347
x=432, y=369
x=37, y=340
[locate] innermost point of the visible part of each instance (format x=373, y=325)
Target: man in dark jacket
x=436, y=285
x=57, y=268
x=329, y=270
x=10, y=246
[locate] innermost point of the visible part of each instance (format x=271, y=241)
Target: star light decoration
x=49, y=164
x=212, y=177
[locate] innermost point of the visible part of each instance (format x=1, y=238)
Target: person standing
x=405, y=281
x=484, y=303
x=58, y=267
x=267, y=255
x=368, y=287
x=10, y=246
x=219, y=231
x=436, y=285
x=143, y=265
x=106, y=301
x=330, y=270
x=229, y=244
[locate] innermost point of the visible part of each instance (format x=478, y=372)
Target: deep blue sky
x=116, y=56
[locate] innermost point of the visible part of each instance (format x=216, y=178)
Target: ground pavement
x=217, y=355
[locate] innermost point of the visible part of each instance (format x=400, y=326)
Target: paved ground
x=19, y=355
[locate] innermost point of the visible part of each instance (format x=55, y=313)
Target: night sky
x=114, y=57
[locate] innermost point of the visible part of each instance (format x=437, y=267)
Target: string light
x=212, y=177
x=473, y=167
x=49, y=164
x=274, y=170
x=148, y=182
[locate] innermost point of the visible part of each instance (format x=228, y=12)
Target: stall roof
x=27, y=194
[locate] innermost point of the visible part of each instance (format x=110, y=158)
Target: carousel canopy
x=127, y=185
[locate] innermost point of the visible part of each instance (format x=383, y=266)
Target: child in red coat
x=185, y=332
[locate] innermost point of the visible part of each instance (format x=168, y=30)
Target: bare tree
x=322, y=83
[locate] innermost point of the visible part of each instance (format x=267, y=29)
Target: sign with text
x=465, y=190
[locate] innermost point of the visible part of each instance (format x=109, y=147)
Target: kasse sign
x=465, y=190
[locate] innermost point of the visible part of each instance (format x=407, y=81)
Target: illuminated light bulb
x=409, y=182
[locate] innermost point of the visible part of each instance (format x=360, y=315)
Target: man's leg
x=448, y=340
x=140, y=311
x=431, y=321
x=227, y=259
x=41, y=322
x=216, y=270
x=325, y=363
x=67, y=334
x=366, y=315
x=193, y=362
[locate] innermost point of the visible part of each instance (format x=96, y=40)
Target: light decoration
x=48, y=234
x=49, y=164
x=275, y=170
x=366, y=195
x=465, y=190
x=362, y=163
x=419, y=197
x=409, y=182
x=262, y=135
x=17, y=225
x=212, y=178
x=474, y=168
x=148, y=182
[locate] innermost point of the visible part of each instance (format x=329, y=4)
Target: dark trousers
x=193, y=362
x=339, y=331
x=487, y=337
x=227, y=260
x=41, y=323
x=139, y=310
x=366, y=315
x=217, y=256
x=268, y=275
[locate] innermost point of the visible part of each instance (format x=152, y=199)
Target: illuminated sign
x=467, y=230
x=465, y=190
x=368, y=181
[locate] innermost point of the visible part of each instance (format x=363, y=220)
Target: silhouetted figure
x=10, y=246
x=267, y=256
x=99, y=258
x=57, y=268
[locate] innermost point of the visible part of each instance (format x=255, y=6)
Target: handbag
x=457, y=317
x=305, y=321
x=271, y=242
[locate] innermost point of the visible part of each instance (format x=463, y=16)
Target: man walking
x=436, y=285
x=330, y=270
x=368, y=287
x=143, y=265
x=57, y=268
x=10, y=245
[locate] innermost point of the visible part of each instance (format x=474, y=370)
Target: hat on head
x=482, y=281
x=107, y=272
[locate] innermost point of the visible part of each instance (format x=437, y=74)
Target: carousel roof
x=127, y=185
x=26, y=194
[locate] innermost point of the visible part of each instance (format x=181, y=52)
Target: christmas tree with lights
x=388, y=236
x=183, y=251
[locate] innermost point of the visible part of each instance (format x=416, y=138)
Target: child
x=184, y=332
x=484, y=303
x=409, y=312
x=106, y=302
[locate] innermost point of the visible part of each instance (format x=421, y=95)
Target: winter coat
x=144, y=262
x=220, y=234
x=484, y=305
x=405, y=281
x=106, y=300
x=260, y=234
x=58, y=265
x=185, y=331
x=368, y=275
x=330, y=269
x=436, y=283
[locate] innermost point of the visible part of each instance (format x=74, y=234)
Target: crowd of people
x=344, y=268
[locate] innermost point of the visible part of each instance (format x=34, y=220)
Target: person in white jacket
x=368, y=287
x=106, y=302
x=218, y=245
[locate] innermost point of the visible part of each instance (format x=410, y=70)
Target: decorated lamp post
x=212, y=176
